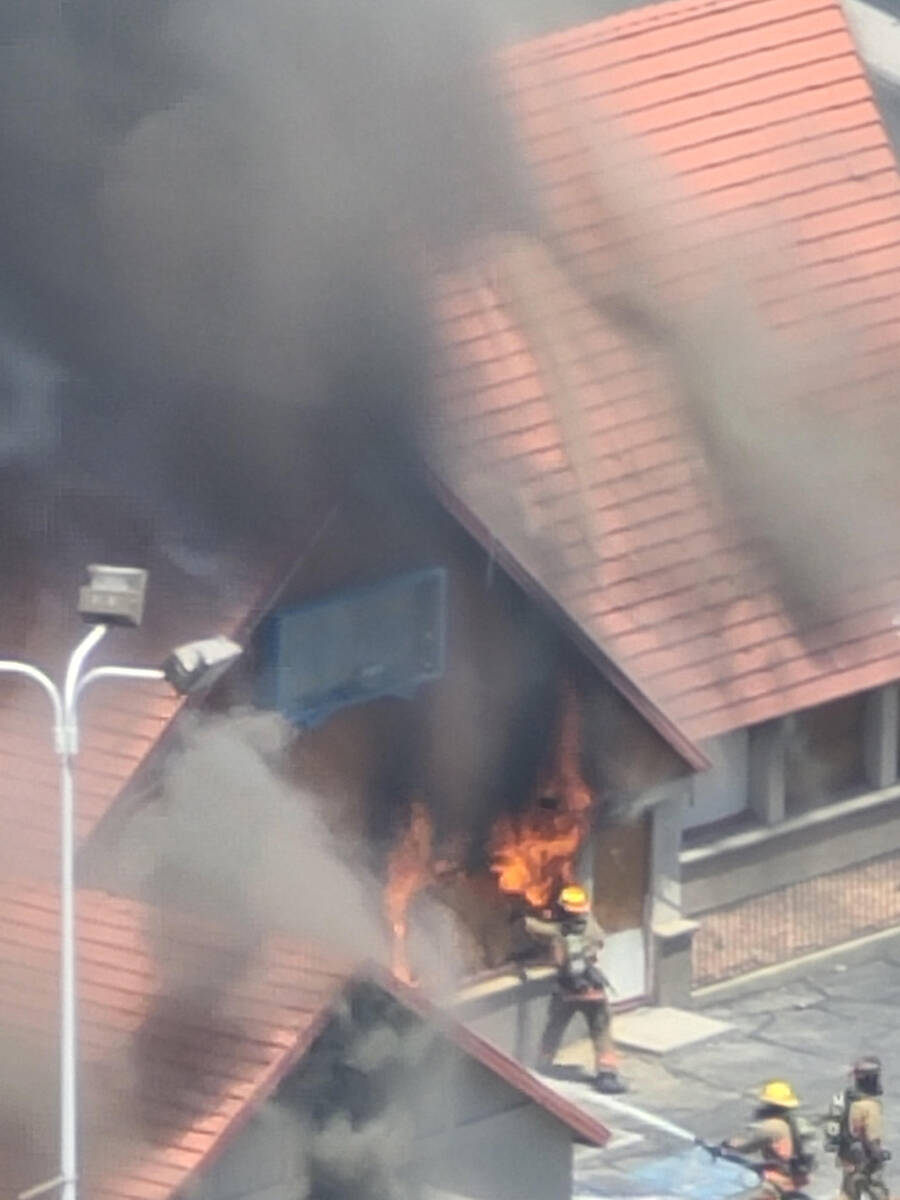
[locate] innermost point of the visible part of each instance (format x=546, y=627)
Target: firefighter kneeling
x=780, y=1139
x=854, y=1132
x=581, y=986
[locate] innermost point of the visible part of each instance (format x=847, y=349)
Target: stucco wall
x=839, y=837
x=479, y=1137
x=721, y=791
x=267, y=1161
x=514, y=1155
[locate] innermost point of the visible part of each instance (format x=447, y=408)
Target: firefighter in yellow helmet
x=778, y=1141
x=581, y=987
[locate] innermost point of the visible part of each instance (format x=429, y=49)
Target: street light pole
x=66, y=744
x=188, y=669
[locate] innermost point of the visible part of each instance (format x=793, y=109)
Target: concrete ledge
x=858, y=950
x=809, y=820
x=499, y=990
x=678, y=930
x=508, y=1009
x=761, y=860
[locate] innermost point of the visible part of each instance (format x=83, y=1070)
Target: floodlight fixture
x=113, y=595
x=198, y=665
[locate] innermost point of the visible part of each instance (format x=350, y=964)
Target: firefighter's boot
x=610, y=1083
x=546, y=1065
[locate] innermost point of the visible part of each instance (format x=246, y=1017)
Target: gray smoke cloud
x=360, y=1095
x=211, y=221
x=370, y=1113
x=30, y=383
x=798, y=434
x=232, y=840
x=230, y=852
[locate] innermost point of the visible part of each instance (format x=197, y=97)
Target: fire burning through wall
x=533, y=854
x=409, y=870
x=529, y=856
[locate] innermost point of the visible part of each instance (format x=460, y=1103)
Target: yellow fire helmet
x=780, y=1093
x=574, y=899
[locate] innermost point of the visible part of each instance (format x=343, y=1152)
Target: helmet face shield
x=870, y=1065
x=867, y=1074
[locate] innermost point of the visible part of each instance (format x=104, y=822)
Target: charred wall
x=384, y=1107
x=472, y=745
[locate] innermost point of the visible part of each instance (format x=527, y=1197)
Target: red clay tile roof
x=758, y=109
x=162, y=1080
x=166, y=1083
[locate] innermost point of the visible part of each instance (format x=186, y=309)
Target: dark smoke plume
x=231, y=840
x=797, y=432
x=211, y=220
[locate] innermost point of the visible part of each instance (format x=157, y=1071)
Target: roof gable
x=183, y=1033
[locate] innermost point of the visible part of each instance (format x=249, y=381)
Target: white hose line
x=640, y=1114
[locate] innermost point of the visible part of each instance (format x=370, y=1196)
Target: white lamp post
x=114, y=595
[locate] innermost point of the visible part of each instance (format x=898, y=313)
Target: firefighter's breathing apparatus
x=836, y=1133
x=579, y=971
x=838, y=1137
x=721, y=1152
x=777, y=1094
x=717, y=1152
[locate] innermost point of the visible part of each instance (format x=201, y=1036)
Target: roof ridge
x=647, y=17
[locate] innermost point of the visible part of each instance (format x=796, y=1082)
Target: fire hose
x=726, y=1154
x=641, y=1114
x=716, y=1152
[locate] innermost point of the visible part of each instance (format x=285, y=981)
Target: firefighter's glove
x=884, y=1156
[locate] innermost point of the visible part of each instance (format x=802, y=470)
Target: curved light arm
x=20, y=668
x=117, y=673
x=79, y=654
x=70, y=687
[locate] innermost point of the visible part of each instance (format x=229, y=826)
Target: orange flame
x=409, y=869
x=533, y=855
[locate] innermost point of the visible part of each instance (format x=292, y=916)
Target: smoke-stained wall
x=238, y=796
x=475, y=740
x=384, y=1107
